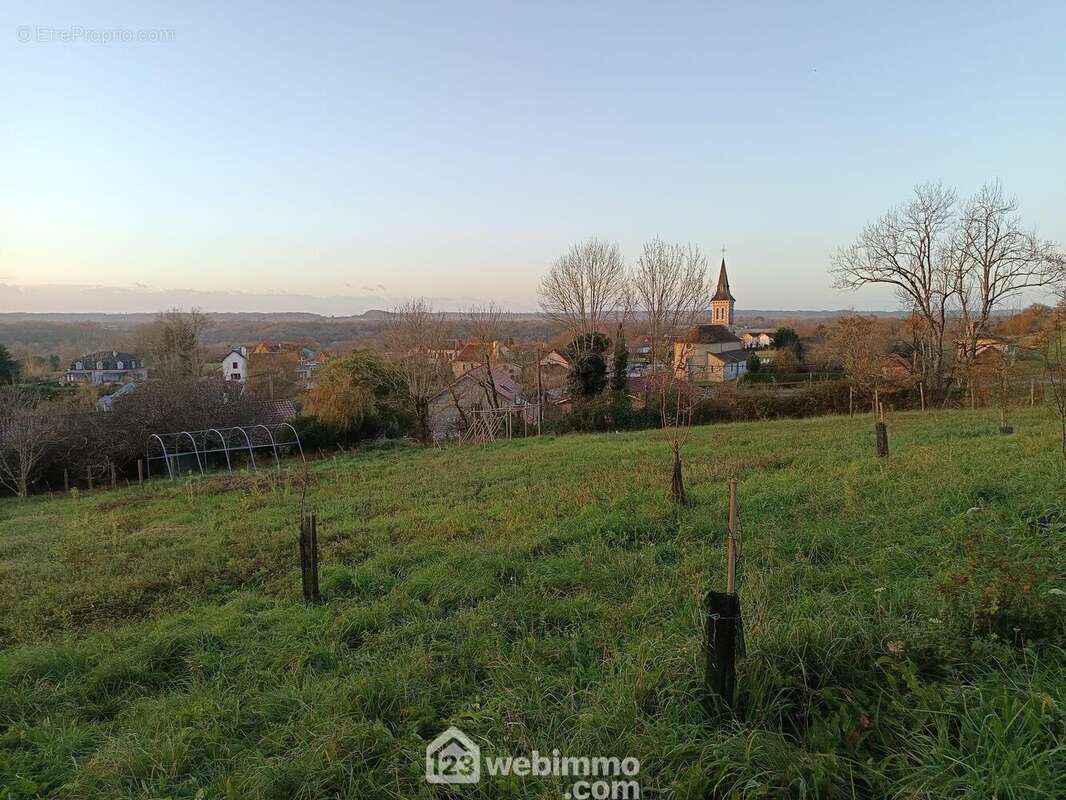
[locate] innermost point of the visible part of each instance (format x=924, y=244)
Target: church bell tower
x=722, y=301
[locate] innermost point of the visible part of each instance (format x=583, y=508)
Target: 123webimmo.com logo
x=454, y=758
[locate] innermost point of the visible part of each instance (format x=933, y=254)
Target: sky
x=338, y=157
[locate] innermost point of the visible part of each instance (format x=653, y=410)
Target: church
x=713, y=353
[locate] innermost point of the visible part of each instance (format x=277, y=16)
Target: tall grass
x=903, y=619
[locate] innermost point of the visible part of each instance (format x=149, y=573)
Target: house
x=713, y=353
x=555, y=358
x=640, y=356
x=282, y=347
x=235, y=365
x=756, y=338
x=474, y=354
x=477, y=389
x=308, y=365
x=107, y=366
x=448, y=352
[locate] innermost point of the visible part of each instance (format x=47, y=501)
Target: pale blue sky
x=453, y=149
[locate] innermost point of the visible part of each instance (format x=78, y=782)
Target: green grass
x=904, y=624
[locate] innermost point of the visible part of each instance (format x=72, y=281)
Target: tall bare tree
x=27, y=431
x=669, y=285
x=860, y=345
x=485, y=322
x=584, y=287
x=910, y=249
x=1054, y=354
x=174, y=340
x=994, y=260
x=414, y=335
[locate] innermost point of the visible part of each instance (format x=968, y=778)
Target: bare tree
x=676, y=405
x=584, y=287
x=27, y=431
x=910, y=249
x=415, y=335
x=1054, y=354
x=994, y=259
x=669, y=285
x=860, y=345
x=484, y=323
x=174, y=341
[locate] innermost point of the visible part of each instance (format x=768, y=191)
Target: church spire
x=722, y=301
x=722, y=292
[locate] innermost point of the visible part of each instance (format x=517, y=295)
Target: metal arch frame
x=148, y=458
x=225, y=446
x=273, y=444
x=295, y=437
x=201, y=445
x=247, y=441
x=195, y=452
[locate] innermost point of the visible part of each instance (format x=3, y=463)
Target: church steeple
x=722, y=301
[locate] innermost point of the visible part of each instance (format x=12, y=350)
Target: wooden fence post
x=309, y=556
x=851, y=401
x=66, y=481
x=1032, y=393
x=89, y=475
x=140, y=472
x=921, y=392
x=113, y=480
x=881, y=435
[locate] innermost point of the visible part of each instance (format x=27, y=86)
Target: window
x=120, y=365
x=235, y=365
x=236, y=376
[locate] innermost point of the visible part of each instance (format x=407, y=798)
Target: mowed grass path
x=904, y=619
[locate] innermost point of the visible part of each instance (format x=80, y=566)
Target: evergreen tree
x=588, y=367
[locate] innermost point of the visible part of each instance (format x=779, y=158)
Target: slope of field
x=904, y=619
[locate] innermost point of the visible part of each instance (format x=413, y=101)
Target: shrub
x=359, y=397
x=610, y=411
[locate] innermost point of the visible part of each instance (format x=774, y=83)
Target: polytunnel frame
x=169, y=457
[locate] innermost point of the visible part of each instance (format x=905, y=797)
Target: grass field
x=904, y=619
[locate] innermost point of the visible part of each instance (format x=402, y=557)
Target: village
x=487, y=371
x=525, y=401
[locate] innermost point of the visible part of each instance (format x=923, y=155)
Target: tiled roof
x=109, y=359
x=278, y=410
x=505, y=384
x=731, y=356
x=711, y=334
